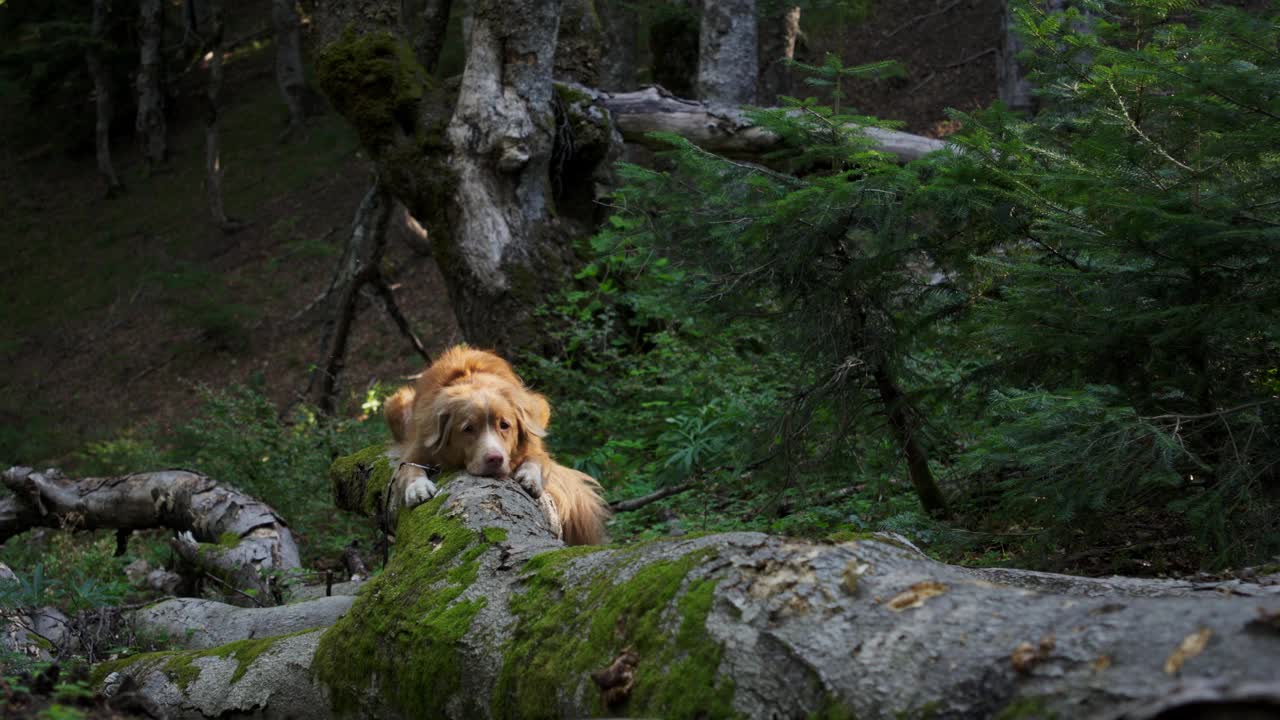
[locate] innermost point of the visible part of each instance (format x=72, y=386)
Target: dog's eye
x=504, y=425
x=466, y=428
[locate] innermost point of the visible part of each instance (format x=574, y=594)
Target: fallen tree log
x=481, y=613
x=722, y=129
x=236, y=538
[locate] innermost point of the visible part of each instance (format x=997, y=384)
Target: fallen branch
x=237, y=537
x=722, y=129
x=636, y=503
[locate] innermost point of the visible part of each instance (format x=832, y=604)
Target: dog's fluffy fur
x=470, y=411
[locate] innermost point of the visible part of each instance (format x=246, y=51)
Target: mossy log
x=481, y=613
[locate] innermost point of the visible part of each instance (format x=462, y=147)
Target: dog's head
x=487, y=426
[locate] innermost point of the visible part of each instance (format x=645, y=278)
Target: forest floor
x=116, y=309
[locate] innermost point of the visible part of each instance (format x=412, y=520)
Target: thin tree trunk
x=482, y=614
x=907, y=432
x=358, y=266
x=727, y=59
x=151, y=127
x=289, y=74
x=778, y=37
x=426, y=25
x=212, y=118
x=102, y=93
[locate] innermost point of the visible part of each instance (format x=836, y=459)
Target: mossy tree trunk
x=481, y=613
x=474, y=166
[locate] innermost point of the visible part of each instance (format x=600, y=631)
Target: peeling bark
x=287, y=26
x=150, y=125
x=102, y=94
x=233, y=536
x=727, y=60
x=745, y=623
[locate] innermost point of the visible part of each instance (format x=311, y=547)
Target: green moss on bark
x=375, y=82
x=567, y=629
x=371, y=465
x=401, y=638
x=180, y=665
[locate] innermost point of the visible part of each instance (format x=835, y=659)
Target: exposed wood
x=872, y=629
x=240, y=538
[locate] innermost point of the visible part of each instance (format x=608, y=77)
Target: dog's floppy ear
x=398, y=411
x=437, y=432
x=534, y=412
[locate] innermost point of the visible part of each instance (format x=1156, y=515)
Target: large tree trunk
x=151, y=126
x=241, y=541
x=289, y=74
x=727, y=60
x=474, y=162
x=481, y=613
x=778, y=36
x=102, y=93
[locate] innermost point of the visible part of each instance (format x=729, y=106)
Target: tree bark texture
x=235, y=537
x=481, y=613
x=151, y=126
x=727, y=60
x=778, y=35
x=426, y=24
x=580, y=47
x=213, y=117
x=287, y=26
x=622, y=26
x=102, y=92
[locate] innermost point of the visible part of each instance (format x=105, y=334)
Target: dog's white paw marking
x=418, y=492
x=529, y=476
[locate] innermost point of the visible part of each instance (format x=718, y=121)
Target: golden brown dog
x=470, y=411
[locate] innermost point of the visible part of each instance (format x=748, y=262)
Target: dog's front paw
x=418, y=492
x=529, y=477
